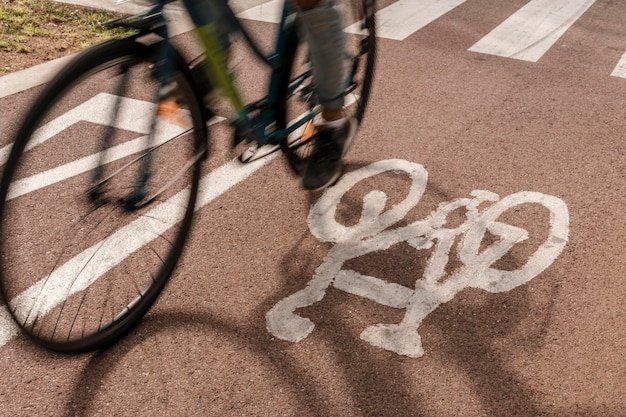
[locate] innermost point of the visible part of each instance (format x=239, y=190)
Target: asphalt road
x=518, y=106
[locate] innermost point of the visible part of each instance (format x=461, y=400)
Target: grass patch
x=34, y=31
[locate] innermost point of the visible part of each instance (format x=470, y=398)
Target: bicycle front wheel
x=360, y=56
x=97, y=196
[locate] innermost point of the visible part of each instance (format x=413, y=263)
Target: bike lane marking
x=373, y=233
x=91, y=111
x=532, y=30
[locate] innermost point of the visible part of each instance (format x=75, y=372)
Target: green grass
x=35, y=27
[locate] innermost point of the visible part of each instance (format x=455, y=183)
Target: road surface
x=516, y=107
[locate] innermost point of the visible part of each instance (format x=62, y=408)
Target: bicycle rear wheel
x=97, y=196
x=360, y=27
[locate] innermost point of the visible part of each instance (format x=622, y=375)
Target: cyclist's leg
x=323, y=29
x=326, y=40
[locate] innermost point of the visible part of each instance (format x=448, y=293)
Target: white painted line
x=405, y=17
x=92, y=111
x=397, y=21
x=121, y=6
x=532, y=30
x=8, y=328
x=80, y=166
x=386, y=293
x=32, y=77
x=95, y=261
x=269, y=12
x=620, y=69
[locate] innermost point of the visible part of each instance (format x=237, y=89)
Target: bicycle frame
x=131, y=110
x=257, y=121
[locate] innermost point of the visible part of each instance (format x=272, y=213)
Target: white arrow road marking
x=129, y=239
x=91, y=111
x=124, y=242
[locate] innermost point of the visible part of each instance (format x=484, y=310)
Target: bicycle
x=92, y=229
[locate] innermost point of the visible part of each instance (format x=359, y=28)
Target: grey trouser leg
x=327, y=43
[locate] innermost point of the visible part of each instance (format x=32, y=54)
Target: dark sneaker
x=324, y=166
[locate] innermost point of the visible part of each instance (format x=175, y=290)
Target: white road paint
x=397, y=21
x=95, y=261
x=620, y=69
x=19, y=81
x=8, y=328
x=436, y=286
x=405, y=17
x=266, y=12
x=526, y=35
x=92, y=111
x=532, y=30
x=135, y=116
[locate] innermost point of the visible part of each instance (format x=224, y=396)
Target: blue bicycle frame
x=259, y=121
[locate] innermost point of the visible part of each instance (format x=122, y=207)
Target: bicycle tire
x=360, y=21
x=80, y=268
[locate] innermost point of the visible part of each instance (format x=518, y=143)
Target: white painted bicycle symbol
x=373, y=233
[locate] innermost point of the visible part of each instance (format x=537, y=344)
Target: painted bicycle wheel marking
x=373, y=234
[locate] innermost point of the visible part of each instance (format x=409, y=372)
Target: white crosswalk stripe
x=405, y=17
x=532, y=30
x=525, y=35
